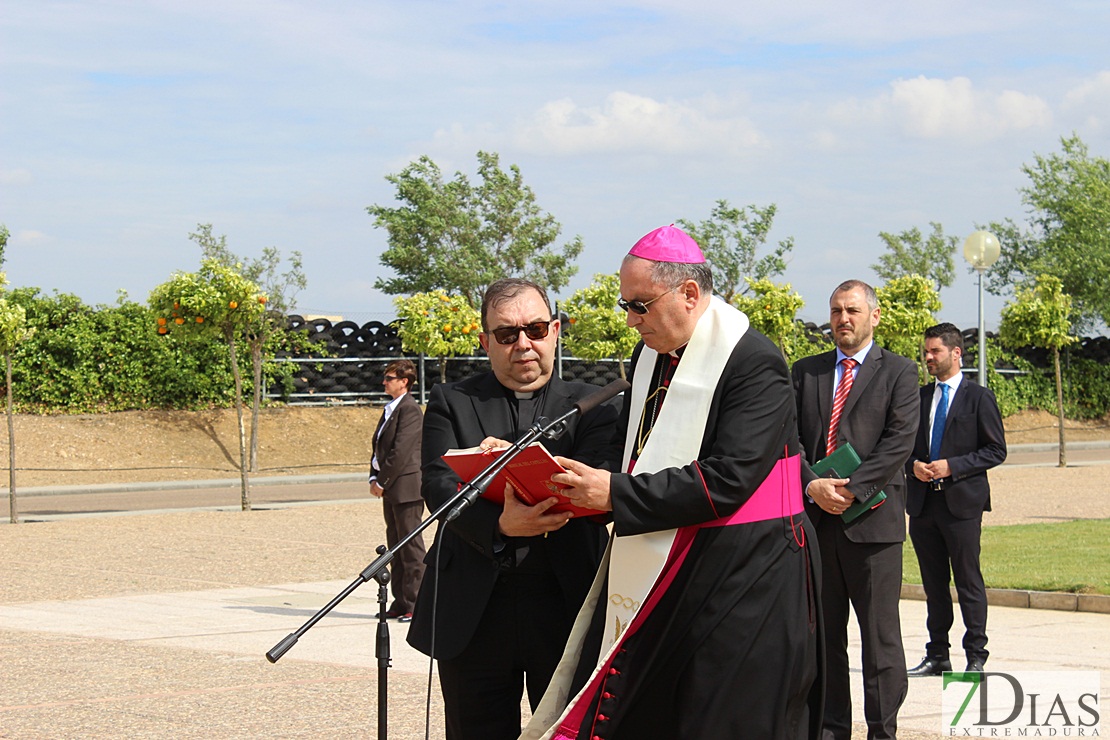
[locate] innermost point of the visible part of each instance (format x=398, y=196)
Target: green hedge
x=86, y=359
x=83, y=359
x=1086, y=385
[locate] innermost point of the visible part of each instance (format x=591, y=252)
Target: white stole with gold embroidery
x=634, y=562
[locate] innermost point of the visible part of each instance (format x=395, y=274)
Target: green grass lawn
x=1068, y=556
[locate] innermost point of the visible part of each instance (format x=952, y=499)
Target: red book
x=529, y=473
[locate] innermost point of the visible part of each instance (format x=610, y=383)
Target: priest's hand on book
x=518, y=519
x=830, y=494
x=586, y=487
x=493, y=443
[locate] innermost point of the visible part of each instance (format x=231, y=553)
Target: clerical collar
x=524, y=395
x=677, y=353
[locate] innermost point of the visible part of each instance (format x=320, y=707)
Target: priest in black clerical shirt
x=510, y=578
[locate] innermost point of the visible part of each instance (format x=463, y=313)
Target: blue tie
x=938, y=423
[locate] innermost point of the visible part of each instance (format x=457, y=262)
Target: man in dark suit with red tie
x=959, y=438
x=862, y=394
x=395, y=479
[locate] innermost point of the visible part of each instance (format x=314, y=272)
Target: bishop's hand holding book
x=528, y=475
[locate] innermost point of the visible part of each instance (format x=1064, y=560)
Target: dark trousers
x=518, y=643
x=941, y=540
x=868, y=578
x=406, y=570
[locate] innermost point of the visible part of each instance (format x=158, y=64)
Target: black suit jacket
x=974, y=441
x=461, y=415
x=879, y=418
x=397, y=452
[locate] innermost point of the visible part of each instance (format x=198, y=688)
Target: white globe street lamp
x=982, y=250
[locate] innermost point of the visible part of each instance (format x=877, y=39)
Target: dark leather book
x=841, y=464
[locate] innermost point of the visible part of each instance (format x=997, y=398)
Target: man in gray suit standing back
x=861, y=394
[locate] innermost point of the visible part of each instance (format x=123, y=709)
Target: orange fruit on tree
x=161, y=321
x=262, y=299
x=162, y=330
x=233, y=305
x=200, y=319
x=179, y=321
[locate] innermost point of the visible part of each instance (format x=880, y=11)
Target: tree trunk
x=11, y=442
x=620, y=364
x=442, y=369
x=256, y=401
x=1060, y=406
x=244, y=473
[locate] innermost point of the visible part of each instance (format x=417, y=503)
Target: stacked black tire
x=352, y=358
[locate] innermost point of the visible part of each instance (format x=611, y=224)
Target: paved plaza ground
x=156, y=624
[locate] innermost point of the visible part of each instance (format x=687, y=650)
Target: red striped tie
x=843, y=388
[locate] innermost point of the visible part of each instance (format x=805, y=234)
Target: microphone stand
x=449, y=511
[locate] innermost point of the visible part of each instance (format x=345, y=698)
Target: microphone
x=595, y=399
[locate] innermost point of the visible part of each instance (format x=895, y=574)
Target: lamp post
x=981, y=250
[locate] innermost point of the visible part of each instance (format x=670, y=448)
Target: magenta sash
x=779, y=496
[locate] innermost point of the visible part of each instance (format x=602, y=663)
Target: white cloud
x=16, y=177
x=930, y=108
x=1093, y=91
x=28, y=236
x=628, y=123
x=1090, y=101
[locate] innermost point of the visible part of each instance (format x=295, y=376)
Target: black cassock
x=731, y=648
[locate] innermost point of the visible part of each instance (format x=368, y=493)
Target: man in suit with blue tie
x=959, y=438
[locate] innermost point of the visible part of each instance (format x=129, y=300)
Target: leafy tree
x=1068, y=233
x=598, y=329
x=731, y=238
x=438, y=325
x=279, y=288
x=1039, y=316
x=215, y=300
x=4, y=234
x=460, y=237
x=13, y=330
x=771, y=308
x=909, y=253
x=907, y=304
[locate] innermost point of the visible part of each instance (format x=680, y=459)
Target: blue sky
x=125, y=124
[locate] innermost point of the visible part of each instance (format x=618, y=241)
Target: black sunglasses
x=509, y=334
x=641, y=307
x=391, y=377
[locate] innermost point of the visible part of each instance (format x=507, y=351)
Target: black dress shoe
x=399, y=613
x=974, y=665
x=930, y=667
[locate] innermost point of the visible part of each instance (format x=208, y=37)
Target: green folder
x=841, y=464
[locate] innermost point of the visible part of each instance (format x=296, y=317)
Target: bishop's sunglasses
x=641, y=307
x=508, y=334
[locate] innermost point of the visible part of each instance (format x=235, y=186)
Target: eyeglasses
x=391, y=377
x=640, y=307
x=509, y=334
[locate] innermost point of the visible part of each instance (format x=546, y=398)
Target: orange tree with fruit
x=215, y=300
x=438, y=325
x=772, y=309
